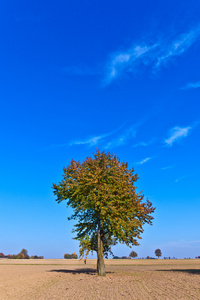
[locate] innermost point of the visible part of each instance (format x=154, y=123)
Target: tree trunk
x=100, y=259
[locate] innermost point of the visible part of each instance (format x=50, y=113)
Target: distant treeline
x=70, y=256
x=123, y=257
x=22, y=255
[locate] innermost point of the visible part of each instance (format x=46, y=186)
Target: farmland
x=125, y=279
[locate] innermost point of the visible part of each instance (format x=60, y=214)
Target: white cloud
x=113, y=139
x=192, y=85
x=144, y=161
x=177, y=133
x=121, y=139
x=92, y=141
x=125, y=61
x=180, y=178
x=148, y=54
x=179, y=46
x=167, y=168
x=143, y=144
x=140, y=144
x=116, y=138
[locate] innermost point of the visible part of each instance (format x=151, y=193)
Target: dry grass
x=125, y=279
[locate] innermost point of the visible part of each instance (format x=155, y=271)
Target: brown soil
x=125, y=279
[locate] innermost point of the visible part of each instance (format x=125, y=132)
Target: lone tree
x=106, y=205
x=158, y=253
x=133, y=254
x=25, y=252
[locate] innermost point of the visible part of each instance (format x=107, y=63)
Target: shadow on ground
x=88, y=271
x=190, y=271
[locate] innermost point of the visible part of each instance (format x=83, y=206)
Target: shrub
x=36, y=257
x=70, y=256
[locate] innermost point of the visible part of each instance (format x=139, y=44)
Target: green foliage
x=158, y=253
x=133, y=254
x=88, y=244
x=102, y=193
x=70, y=256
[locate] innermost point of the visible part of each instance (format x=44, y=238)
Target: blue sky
x=121, y=76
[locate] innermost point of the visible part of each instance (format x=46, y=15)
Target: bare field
x=125, y=279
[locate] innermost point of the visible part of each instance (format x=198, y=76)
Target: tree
x=20, y=256
x=74, y=255
x=70, y=256
x=23, y=254
x=158, y=253
x=133, y=254
x=103, y=196
x=36, y=257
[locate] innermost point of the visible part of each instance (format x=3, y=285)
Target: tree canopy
x=101, y=190
x=158, y=253
x=70, y=256
x=133, y=254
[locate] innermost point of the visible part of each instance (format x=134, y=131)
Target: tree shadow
x=88, y=271
x=190, y=271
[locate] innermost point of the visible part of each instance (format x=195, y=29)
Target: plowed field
x=125, y=279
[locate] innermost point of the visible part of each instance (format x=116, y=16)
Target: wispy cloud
x=191, y=85
x=180, y=178
x=122, y=139
x=119, y=137
x=143, y=161
x=110, y=140
x=179, y=46
x=126, y=61
x=167, y=168
x=92, y=141
x=177, y=133
x=143, y=144
x=153, y=55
